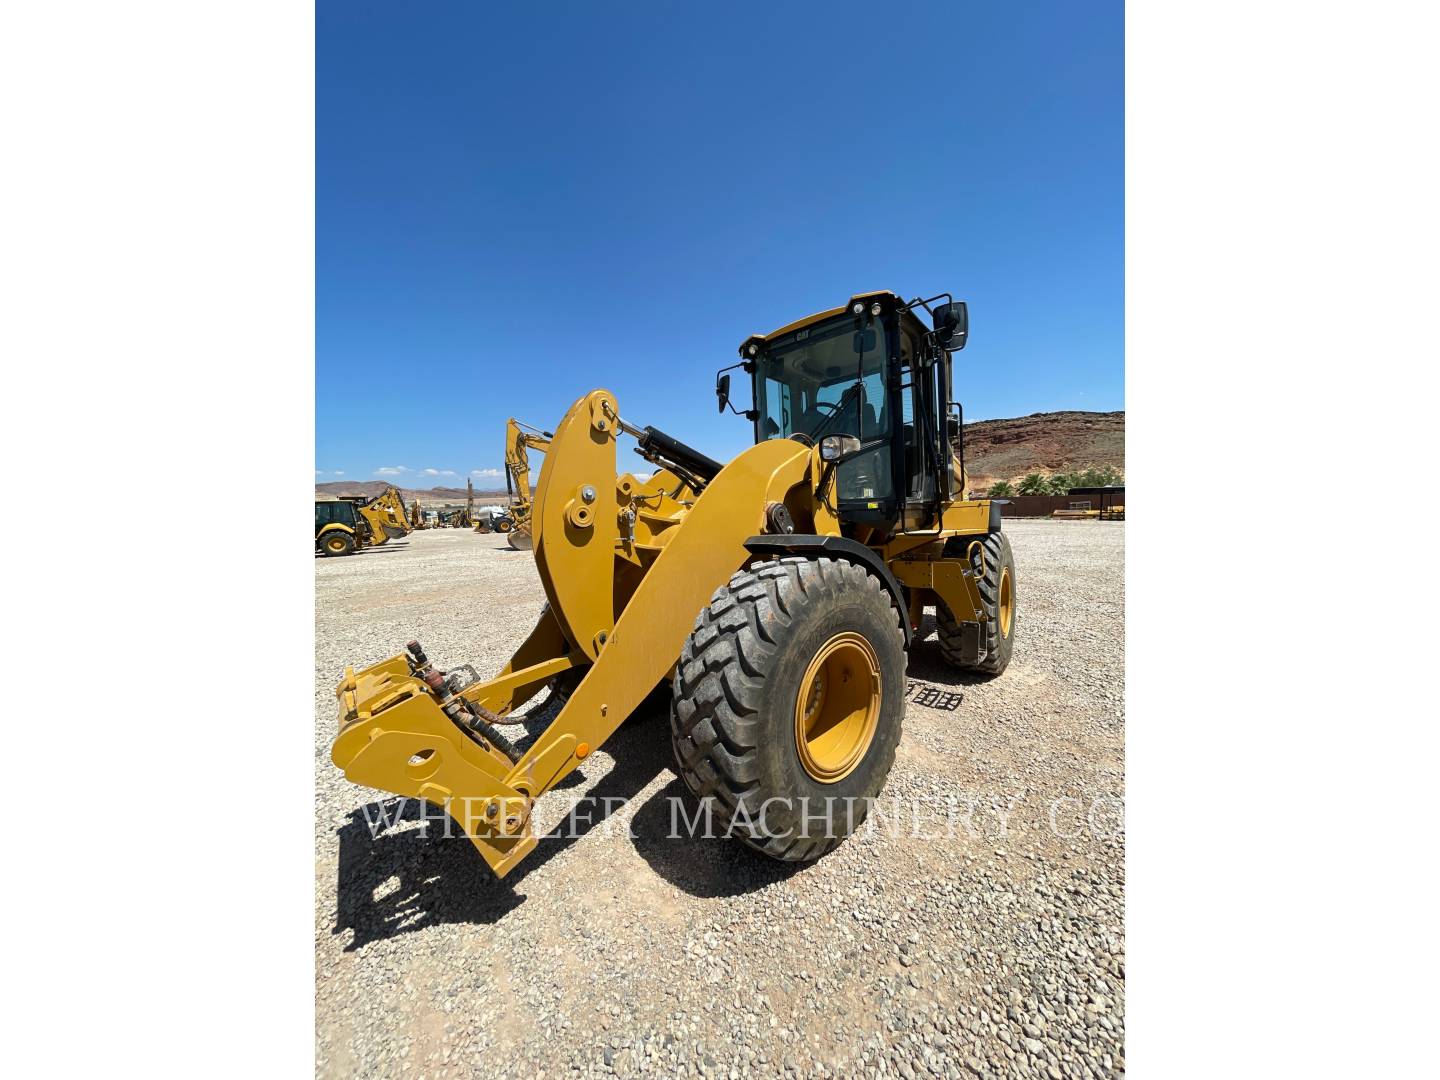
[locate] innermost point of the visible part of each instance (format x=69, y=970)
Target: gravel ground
x=978, y=930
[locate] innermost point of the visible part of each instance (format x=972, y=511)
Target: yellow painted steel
x=837, y=707
x=385, y=514
x=952, y=580
x=394, y=737
x=1007, y=602
x=821, y=316
x=521, y=678
x=394, y=734
x=626, y=566
x=574, y=522
x=518, y=444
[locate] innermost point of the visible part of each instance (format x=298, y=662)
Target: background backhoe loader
x=520, y=439
x=777, y=596
x=339, y=529
x=384, y=514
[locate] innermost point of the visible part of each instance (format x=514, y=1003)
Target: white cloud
x=438, y=472
x=391, y=470
x=338, y=472
x=318, y=472
x=487, y=474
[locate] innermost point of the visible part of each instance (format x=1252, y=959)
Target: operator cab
x=334, y=512
x=872, y=370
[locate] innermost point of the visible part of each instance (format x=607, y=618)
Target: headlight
x=858, y=307
x=753, y=350
x=875, y=308
x=838, y=447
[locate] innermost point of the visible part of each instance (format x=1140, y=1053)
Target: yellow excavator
x=776, y=597
x=384, y=514
x=417, y=519
x=520, y=439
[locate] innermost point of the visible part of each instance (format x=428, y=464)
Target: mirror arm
x=750, y=413
x=928, y=301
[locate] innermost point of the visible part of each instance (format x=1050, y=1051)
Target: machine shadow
x=928, y=665
x=700, y=865
x=415, y=868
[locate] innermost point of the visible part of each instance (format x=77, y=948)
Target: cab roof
x=885, y=296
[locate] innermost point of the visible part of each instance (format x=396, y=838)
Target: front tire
x=787, y=704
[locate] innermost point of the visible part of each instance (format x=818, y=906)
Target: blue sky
x=516, y=204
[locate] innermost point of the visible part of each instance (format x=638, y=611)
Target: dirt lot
x=977, y=930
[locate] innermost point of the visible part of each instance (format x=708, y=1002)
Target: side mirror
x=722, y=390
x=952, y=325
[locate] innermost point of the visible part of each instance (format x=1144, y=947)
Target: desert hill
x=428, y=496
x=1043, y=443
x=994, y=450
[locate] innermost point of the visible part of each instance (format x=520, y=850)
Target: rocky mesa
x=1043, y=443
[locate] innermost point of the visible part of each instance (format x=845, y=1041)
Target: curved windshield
x=829, y=379
x=334, y=513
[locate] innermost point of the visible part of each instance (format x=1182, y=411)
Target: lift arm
x=626, y=568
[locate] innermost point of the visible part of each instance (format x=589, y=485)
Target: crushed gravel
x=977, y=930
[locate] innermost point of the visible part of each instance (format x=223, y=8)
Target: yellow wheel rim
x=1007, y=602
x=837, y=708
x=336, y=544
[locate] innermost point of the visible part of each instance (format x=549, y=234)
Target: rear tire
x=337, y=544
x=998, y=595
x=791, y=687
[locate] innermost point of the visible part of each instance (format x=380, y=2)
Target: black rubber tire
x=504, y=525
x=998, y=647
x=348, y=547
x=732, y=715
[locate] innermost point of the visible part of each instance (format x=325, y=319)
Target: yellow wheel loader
x=520, y=439
x=776, y=596
x=338, y=527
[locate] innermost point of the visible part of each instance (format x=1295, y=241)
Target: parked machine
x=417, y=517
x=776, y=596
x=384, y=515
x=520, y=439
x=489, y=518
x=339, y=528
